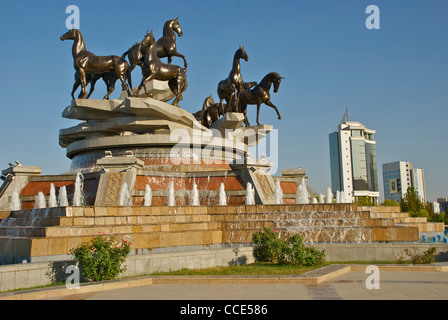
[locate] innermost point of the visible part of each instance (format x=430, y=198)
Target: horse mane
x=167, y=25
x=269, y=77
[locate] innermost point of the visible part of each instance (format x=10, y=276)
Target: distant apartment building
x=443, y=204
x=398, y=176
x=353, y=160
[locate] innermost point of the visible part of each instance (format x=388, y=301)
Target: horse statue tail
x=128, y=75
x=205, y=121
x=123, y=56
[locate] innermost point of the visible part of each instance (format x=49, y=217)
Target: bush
x=391, y=203
x=101, y=258
x=425, y=258
x=365, y=202
x=269, y=247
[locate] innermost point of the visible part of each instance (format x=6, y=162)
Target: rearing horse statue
x=154, y=68
x=86, y=62
x=234, y=82
x=260, y=94
x=166, y=45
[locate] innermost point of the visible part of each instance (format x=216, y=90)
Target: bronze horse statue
x=166, y=47
x=154, y=68
x=86, y=62
x=211, y=113
x=260, y=94
x=136, y=55
x=233, y=84
x=207, y=103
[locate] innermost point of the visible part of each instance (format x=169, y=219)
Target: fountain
x=62, y=197
x=302, y=193
x=278, y=193
x=329, y=197
x=52, y=201
x=128, y=147
x=321, y=198
x=194, y=196
x=78, y=196
x=148, y=196
x=40, y=202
x=250, y=194
x=171, y=196
x=125, y=196
x=222, y=195
x=15, y=204
x=338, y=196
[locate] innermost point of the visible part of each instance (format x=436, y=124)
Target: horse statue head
x=149, y=38
x=176, y=27
x=241, y=54
x=70, y=35
x=276, y=80
x=208, y=102
x=146, y=39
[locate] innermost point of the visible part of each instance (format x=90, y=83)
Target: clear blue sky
x=393, y=80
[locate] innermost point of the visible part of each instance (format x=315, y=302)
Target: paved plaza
x=336, y=282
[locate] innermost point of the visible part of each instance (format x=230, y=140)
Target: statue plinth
x=151, y=129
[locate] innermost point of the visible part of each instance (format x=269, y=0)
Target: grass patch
x=257, y=269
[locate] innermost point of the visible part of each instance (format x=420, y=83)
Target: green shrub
x=391, y=203
x=269, y=247
x=365, y=202
x=101, y=258
x=425, y=258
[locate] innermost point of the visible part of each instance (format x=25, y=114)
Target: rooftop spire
x=345, y=118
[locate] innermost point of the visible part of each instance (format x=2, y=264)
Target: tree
x=390, y=203
x=411, y=203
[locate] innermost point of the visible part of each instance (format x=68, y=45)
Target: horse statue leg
x=75, y=87
x=121, y=70
x=82, y=78
x=177, y=54
x=269, y=103
x=178, y=86
x=142, y=84
x=258, y=112
x=94, y=79
x=110, y=88
x=243, y=109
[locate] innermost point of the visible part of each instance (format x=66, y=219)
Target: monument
x=170, y=180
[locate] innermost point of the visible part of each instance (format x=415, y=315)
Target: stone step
x=389, y=215
x=141, y=242
x=20, y=231
x=329, y=234
x=128, y=229
x=36, y=213
x=425, y=227
x=30, y=222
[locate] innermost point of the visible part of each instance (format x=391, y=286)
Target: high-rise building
x=353, y=160
x=443, y=204
x=398, y=176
